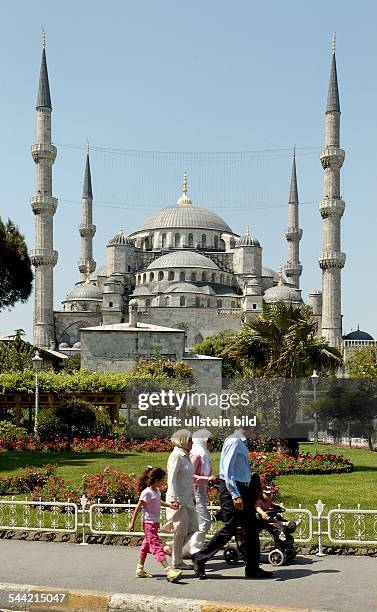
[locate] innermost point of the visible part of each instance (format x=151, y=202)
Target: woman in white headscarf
x=201, y=461
x=180, y=489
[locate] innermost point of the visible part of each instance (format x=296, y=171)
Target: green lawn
x=359, y=487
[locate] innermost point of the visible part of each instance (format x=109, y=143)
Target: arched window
x=163, y=241
x=208, y=302
x=204, y=241
x=147, y=302
x=171, y=275
x=160, y=276
x=193, y=276
x=232, y=243
x=204, y=277
x=197, y=301
x=190, y=241
x=151, y=276
x=182, y=301
x=222, y=245
x=182, y=276
x=167, y=300
x=233, y=304
x=221, y=279
x=216, y=242
x=213, y=277
x=151, y=241
x=177, y=240
x=144, y=278
x=219, y=304
x=139, y=278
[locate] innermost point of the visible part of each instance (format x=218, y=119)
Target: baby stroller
x=283, y=550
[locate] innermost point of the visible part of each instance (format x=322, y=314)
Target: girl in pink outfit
x=150, y=504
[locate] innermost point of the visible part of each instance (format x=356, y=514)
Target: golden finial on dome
x=184, y=199
x=280, y=283
x=334, y=42
x=185, y=182
x=248, y=230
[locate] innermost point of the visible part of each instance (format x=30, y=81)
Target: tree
x=363, y=363
x=282, y=343
x=15, y=355
x=215, y=346
x=15, y=266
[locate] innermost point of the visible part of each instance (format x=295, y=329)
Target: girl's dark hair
x=150, y=476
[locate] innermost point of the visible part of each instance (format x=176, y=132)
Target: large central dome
x=187, y=216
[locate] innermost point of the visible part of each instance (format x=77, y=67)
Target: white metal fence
x=339, y=526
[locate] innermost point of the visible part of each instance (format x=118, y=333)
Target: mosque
x=185, y=266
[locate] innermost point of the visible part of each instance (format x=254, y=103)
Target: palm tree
x=282, y=342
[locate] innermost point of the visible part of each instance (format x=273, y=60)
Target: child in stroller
x=269, y=515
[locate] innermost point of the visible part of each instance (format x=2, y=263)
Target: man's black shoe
x=259, y=573
x=199, y=568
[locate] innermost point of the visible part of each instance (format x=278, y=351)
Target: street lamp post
x=314, y=382
x=37, y=366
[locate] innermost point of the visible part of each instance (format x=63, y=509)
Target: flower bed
x=277, y=463
x=26, y=480
x=119, y=444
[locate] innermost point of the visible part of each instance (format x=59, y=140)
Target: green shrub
x=103, y=425
x=11, y=433
x=78, y=417
x=50, y=426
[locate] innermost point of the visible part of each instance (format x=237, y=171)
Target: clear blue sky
x=198, y=76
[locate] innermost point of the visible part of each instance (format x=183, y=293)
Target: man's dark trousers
x=233, y=519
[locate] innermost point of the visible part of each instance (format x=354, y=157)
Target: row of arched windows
x=177, y=241
x=204, y=277
x=198, y=302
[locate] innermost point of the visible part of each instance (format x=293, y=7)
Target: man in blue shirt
x=237, y=508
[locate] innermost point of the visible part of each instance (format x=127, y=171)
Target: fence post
x=320, y=507
x=83, y=501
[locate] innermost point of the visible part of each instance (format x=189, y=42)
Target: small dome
x=182, y=259
x=77, y=345
x=63, y=345
x=282, y=293
x=141, y=290
x=85, y=291
x=270, y=273
x=358, y=335
x=120, y=239
x=247, y=240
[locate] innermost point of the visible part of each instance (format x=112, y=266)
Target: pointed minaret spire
x=44, y=205
x=86, y=227
x=332, y=259
x=293, y=267
x=333, y=91
x=44, y=98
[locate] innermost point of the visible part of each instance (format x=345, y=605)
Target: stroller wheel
x=277, y=557
x=231, y=555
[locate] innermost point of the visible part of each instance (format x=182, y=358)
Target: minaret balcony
x=331, y=259
x=44, y=151
x=87, y=230
x=292, y=269
x=332, y=207
x=293, y=234
x=332, y=157
x=44, y=204
x=43, y=257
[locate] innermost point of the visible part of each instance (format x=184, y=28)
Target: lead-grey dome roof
x=120, y=239
x=187, y=216
x=247, y=240
x=190, y=288
x=358, y=334
x=86, y=291
x=182, y=259
x=101, y=271
x=281, y=293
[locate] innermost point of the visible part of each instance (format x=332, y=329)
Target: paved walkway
x=342, y=584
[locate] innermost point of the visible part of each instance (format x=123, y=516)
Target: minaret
x=87, y=230
x=332, y=260
x=43, y=257
x=293, y=268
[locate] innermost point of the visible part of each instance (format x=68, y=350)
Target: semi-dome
x=190, y=288
x=101, y=271
x=270, y=273
x=120, y=239
x=182, y=259
x=86, y=291
x=247, y=240
x=358, y=334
